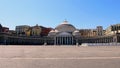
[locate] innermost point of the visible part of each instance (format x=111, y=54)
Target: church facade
x=63, y=34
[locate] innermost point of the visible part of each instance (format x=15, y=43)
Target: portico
x=64, y=38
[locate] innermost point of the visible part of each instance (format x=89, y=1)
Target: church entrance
x=64, y=39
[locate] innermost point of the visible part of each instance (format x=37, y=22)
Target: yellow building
x=28, y=32
x=36, y=30
x=25, y=30
x=21, y=30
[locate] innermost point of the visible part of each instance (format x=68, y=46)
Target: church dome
x=65, y=27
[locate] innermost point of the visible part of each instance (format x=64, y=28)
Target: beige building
x=88, y=32
x=113, y=29
x=100, y=31
x=92, y=32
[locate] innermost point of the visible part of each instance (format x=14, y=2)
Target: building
x=0, y=28
x=12, y=32
x=88, y=32
x=99, y=30
x=63, y=34
x=45, y=31
x=92, y=32
x=34, y=31
x=113, y=29
x=4, y=29
x=20, y=30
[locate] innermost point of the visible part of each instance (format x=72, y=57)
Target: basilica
x=63, y=34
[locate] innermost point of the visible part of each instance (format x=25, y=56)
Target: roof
x=65, y=27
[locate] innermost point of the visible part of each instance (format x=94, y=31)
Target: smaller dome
x=56, y=31
x=51, y=31
x=76, y=33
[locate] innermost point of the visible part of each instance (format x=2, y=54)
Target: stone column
x=56, y=40
x=69, y=40
x=59, y=40
x=66, y=40
x=72, y=40
x=62, y=40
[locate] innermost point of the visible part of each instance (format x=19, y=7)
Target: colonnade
x=66, y=40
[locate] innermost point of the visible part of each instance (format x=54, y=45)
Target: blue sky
x=50, y=13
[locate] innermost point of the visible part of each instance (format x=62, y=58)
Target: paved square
x=59, y=57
